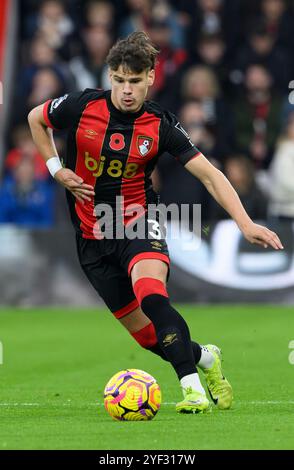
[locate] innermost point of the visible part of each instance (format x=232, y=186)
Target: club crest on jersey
x=144, y=144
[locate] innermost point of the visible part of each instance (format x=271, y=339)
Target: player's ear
x=151, y=77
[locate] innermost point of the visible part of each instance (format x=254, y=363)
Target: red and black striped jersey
x=113, y=151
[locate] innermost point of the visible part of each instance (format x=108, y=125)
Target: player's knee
x=147, y=286
x=146, y=337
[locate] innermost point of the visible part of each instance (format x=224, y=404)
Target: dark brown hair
x=135, y=53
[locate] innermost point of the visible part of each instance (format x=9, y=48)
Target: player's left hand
x=260, y=235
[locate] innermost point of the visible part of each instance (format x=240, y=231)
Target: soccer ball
x=132, y=395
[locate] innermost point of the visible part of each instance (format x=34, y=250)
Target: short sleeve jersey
x=113, y=151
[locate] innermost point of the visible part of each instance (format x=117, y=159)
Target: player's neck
x=121, y=114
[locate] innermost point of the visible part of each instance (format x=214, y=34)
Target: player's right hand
x=75, y=184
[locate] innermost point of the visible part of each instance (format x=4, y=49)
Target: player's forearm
x=42, y=135
x=223, y=192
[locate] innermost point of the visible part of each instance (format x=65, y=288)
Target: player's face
x=129, y=89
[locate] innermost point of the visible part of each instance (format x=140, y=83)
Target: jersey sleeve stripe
x=186, y=157
x=45, y=115
x=195, y=156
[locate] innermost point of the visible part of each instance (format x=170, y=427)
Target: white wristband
x=53, y=165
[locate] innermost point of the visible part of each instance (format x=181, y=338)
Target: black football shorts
x=107, y=264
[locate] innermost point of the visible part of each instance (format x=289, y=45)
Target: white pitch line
x=273, y=402
x=288, y=402
x=19, y=404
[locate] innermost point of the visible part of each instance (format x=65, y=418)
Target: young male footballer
x=115, y=138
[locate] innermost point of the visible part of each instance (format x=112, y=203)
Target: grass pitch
x=56, y=363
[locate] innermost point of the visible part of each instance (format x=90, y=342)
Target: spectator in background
x=211, y=50
x=55, y=25
x=240, y=172
x=257, y=116
x=278, y=22
x=138, y=17
x=47, y=83
x=40, y=56
x=89, y=69
x=282, y=176
x=142, y=12
x=99, y=14
x=214, y=17
x=169, y=59
x=261, y=48
x=175, y=182
x=193, y=117
x=25, y=149
x=163, y=11
x=210, y=16
x=25, y=200
x=201, y=84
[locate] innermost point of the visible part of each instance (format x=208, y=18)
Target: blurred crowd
x=225, y=69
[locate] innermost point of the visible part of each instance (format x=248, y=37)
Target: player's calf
x=172, y=334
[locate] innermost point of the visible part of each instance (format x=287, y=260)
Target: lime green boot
x=219, y=388
x=194, y=402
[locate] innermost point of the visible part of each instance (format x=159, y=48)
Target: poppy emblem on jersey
x=117, y=142
x=144, y=144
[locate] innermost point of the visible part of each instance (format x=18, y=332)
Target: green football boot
x=219, y=388
x=194, y=402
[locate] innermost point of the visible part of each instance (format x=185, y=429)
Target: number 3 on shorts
x=154, y=231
